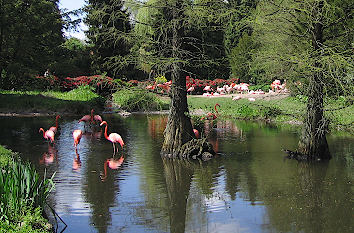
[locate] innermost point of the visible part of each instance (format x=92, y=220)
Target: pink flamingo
x=210, y=115
x=87, y=118
x=113, y=137
x=49, y=135
x=77, y=134
x=55, y=128
x=97, y=118
x=196, y=133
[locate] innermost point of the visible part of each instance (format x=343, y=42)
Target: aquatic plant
x=21, y=189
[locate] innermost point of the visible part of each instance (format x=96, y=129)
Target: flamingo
x=191, y=89
x=196, y=133
x=77, y=134
x=113, y=137
x=49, y=135
x=55, y=128
x=97, y=118
x=210, y=115
x=207, y=88
x=87, y=118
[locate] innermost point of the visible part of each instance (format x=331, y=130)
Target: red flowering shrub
x=133, y=82
x=100, y=82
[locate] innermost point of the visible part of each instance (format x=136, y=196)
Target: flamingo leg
x=114, y=149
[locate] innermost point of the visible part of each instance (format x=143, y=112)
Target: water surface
x=248, y=187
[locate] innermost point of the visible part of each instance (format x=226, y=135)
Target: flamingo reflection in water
x=49, y=156
x=113, y=164
x=76, y=161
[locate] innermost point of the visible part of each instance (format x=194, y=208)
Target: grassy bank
x=77, y=101
x=22, y=195
x=286, y=110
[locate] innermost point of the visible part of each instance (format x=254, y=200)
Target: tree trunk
x=179, y=128
x=313, y=143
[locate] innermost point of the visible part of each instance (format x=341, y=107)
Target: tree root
x=299, y=156
x=193, y=149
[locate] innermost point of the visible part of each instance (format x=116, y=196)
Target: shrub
x=160, y=79
x=135, y=99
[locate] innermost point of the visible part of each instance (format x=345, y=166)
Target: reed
x=21, y=190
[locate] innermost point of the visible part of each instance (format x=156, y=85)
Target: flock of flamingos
x=92, y=119
x=77, y=134
x=115, y=138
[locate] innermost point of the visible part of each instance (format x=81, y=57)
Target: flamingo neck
x=92, y=115
x=56, y=122
x=43, y=132
x=105, y=131
x=216, y=110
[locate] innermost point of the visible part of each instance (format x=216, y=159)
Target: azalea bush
x=101, y=83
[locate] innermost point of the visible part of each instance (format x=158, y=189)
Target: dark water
x=249, y=187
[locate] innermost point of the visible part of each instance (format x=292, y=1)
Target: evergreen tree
x=108, y=23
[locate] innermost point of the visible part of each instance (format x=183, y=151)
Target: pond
x=248, y=187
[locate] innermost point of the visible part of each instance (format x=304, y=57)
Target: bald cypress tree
x=309, y=40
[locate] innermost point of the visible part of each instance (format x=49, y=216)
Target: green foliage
x=30, y=37
x=74, y=61
x=135, y=99
x=160, y=79
x=240, y=58
x=31, y=222
x=287, y=46
x=5, y=156
x=82, y=93
x=108, y=26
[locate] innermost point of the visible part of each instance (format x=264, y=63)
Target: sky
x=74, y=5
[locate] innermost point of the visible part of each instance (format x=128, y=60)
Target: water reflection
x=113, y=164
x=49, y=156
x=76, y=161
x=247, y=188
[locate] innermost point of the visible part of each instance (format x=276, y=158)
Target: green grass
x=286, y=110
x=77, y=101
x=22, y=195
x=136, y=99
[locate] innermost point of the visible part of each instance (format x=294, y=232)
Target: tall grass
x=136, y=99
x=21, y=188
x=23, y=194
